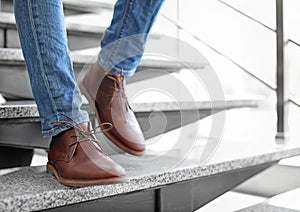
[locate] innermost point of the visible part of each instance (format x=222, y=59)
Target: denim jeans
x=42, y=33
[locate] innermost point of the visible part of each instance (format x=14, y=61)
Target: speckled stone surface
x=46, y=192
x=30, y=188
x=24, y=109
x=27, y=109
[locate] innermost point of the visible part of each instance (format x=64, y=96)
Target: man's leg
x=124, y=40
x=44, y=43
x=122, y=48
x=75, y=158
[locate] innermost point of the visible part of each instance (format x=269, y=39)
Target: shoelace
x=119, y=89
x=82, y=134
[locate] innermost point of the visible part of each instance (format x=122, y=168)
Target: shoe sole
x=110, y=137
x=83, y=183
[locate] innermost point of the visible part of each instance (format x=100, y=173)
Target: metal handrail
x=294, y=42
x=247, y=16
x=267, y=84
x=280, y=86
x=291, y=98
x=294, y=101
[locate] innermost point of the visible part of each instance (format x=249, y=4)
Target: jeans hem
x=57, y=130
x=115, y=70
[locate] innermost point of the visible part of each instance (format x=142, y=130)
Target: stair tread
x=80, y=5
x=89, y=5
x=7, y=20
x=84, y=24
x=24, y=118
x=36, y=190
x=148, y=61
x=285, y=202
x=28, y=109
x=15, y=56
x=253, y=144
x=96, y=23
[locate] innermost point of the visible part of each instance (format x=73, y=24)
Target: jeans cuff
x=57, y=130
x=111, y=68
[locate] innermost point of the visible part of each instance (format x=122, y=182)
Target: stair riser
x=12, y=39
x=2, y=42
x=12, y=72
x=25, y=134
x=8, y=86
x=29, y=131
x=6, y=6
x=18, y=73
x=9, y=38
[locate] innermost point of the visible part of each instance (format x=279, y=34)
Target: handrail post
x=281, y=74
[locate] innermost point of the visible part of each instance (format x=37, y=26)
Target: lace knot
x=81, y=134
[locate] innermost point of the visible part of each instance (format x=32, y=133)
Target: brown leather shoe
x=105, y=91
x=76, y=159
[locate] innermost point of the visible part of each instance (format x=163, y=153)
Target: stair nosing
x=28, y=109
x=136, y=183
x=14, y=56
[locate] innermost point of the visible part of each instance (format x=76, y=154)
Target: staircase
x=190, y=159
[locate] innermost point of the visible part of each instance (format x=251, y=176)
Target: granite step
x=164, y=179
x=154, y=118
x=90, y=36
x=183, y=188
x=13, y=69
x=84, y=30
x=70, y=6
x=88, y=5
x=285, y=202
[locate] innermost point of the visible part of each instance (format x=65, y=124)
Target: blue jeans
x=42, y=33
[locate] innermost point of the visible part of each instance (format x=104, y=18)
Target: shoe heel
x=49, y=170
